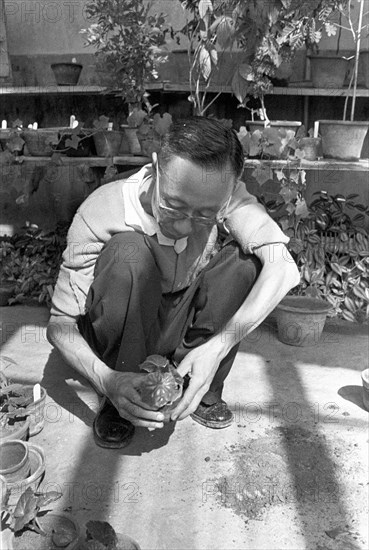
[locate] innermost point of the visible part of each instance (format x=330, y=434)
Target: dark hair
x=207, y=142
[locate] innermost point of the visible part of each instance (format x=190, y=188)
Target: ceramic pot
x=41, y=142
x=108, y=143
x=328, y=71
x=66, y=74
x=342, y=139
x=16, y=430
x=300, y=320
x=253, y=125
x=37, y=469
x=363, y=77
x=14, y=460
x=133, y=142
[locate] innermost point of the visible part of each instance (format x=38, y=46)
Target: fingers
x=190, y=401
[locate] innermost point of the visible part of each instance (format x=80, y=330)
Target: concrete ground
x=290, y=473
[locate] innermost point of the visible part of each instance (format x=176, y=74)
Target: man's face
x=188, y=197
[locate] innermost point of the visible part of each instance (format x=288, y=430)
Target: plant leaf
x=25, y=510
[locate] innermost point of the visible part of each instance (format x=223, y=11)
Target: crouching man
x=177, y=260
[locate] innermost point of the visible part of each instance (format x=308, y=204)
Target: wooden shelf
x=126, y=160
x=322, y=164
x=174, y=87
x=53, y=89
x=93, y=161
x=291, y=90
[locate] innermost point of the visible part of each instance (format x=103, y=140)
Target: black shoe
x=110, y=429
x=214, y=416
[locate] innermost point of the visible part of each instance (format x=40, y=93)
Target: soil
x=262, y=469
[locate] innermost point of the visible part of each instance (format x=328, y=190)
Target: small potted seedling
x=14, y=423
x=100, y=535
x=21, y=407
x=44, y=531
x=162, y=386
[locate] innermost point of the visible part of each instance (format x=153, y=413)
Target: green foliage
x=31, y=259
x=268, y=33
x=162, y=386
x=14, y=400
x=129, y=40
x=27, y=509
x=331, y=248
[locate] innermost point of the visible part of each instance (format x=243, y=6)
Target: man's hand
x=121, y=389
x=201, y=364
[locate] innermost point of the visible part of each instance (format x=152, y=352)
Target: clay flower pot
x=41, y=142
x=15, y=429
x=328, y=71
x=66, y=74
x=253, y=125
x=36, y=457
x=343, y=139
x=108, y=143
x=14, y=460
x=300, y=320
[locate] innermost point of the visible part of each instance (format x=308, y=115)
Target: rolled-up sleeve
x=249, y=223
x=77, y=269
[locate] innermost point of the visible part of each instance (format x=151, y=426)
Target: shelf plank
x=123, y=160
x=174, y=87
x=131, y=160
x=293, y=91
x=66, y=90
x=321, y=164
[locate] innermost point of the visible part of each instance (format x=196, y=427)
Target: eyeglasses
x=175, y=214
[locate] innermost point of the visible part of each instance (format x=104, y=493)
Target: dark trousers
x=128, y=318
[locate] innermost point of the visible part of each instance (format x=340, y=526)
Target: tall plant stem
x=357, y=54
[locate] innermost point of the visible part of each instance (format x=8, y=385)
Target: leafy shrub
x=331, y=249
x=31, y=259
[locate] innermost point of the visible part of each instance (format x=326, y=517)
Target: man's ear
x=154, y=158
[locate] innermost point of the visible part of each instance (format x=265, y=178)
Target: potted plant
x=14, y=422
x=108, y=142
x=343, y=139
x=42, y=530
x=66, y=73
x=271, y=35
x=31, y=260
x=162, y=387
x=129, y=39
x=100, y=535
x=14, y=465
x=330, y=244
x=210, y=35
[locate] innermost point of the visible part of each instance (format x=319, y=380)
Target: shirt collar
x=138, y=218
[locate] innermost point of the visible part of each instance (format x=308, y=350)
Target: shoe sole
x=211, y=424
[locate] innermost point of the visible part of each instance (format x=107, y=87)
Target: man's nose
x=183, y=227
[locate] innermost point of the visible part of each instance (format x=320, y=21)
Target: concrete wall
x=52, y=26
